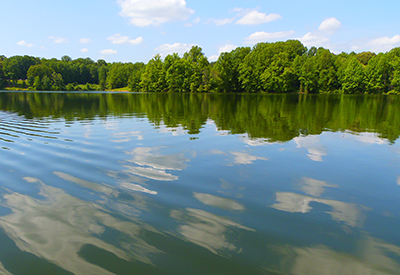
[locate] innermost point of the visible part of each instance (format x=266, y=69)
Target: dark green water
x=199, y=184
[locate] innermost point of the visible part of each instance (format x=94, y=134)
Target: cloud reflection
x=126, y=136
x=216, y=201
x=87, y=184
x=244, y=158
x=57, y=227
x=315, y=151
x=372, y=258
x=314, y=187
x=349, y=213
x=239, y=157
x=3, y=271
x=370, y=138
x=153, y=165
x=207, y=230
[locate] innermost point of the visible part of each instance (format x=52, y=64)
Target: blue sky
x=135, y=30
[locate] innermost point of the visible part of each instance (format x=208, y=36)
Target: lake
x=124, y=183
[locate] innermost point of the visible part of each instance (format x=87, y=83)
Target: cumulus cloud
x=227, y=48
x=84, y=40
x=24, y=44
x=213, y=58
x=119, y=39
x=84, y=50
x=313, y=39
x=58, y=40
x=387, y=40
x=330, y=25
x=143, y=13
x=222, y=49
x=318, y=38
x=384, y=43
x=255, y=18
x=266, y=36
x=108, y=51
x=179, y=48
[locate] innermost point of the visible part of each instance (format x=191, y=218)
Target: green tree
x=227, y=69
x=37, y=84
x=38, y=70
x=3, y=81
x=309, y=75
x=103, y=71
x=326, y=70
x=153, y=77
x=377, y=74
x=353, y=78
x=198, y=68
x=365, y=57
x=255, y=71
x=57, y=82
x=66, y=58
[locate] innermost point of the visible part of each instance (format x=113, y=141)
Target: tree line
x=279, y=67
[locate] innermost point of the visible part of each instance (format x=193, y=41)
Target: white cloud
x=383, y=44
x=179, y=48
x=255, y=18
x=266, y=36
x=119, y=39
x=108, y=51
x=312, y=39
x=84, y=50
x=398, y=180
x=220, y=22
x=223, y=49
x=24, y=44
x=213, y=58
x=84, y=40
x=387, y=41
x=154, y=12
x=227, y=48
x=58, y=40
x=330, y=25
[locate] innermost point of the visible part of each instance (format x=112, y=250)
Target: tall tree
x=353, y=78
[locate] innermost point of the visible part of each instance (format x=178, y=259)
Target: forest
x=278, y=67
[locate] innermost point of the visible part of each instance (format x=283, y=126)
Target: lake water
x=107, y=183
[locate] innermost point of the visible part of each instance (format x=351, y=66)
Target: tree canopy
x=279, y=67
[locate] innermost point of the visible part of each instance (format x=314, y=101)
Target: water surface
x=104, y=183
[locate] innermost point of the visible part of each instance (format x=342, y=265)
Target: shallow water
x=105, y=183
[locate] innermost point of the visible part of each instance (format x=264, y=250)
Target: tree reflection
x=268, y=117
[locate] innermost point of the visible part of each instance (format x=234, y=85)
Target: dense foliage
x=280, y=67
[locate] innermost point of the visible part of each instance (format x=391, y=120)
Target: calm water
x=199, y=184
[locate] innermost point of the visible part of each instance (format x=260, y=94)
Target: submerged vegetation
x=280, y=67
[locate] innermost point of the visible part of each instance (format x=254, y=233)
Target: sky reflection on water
x=120, y=192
